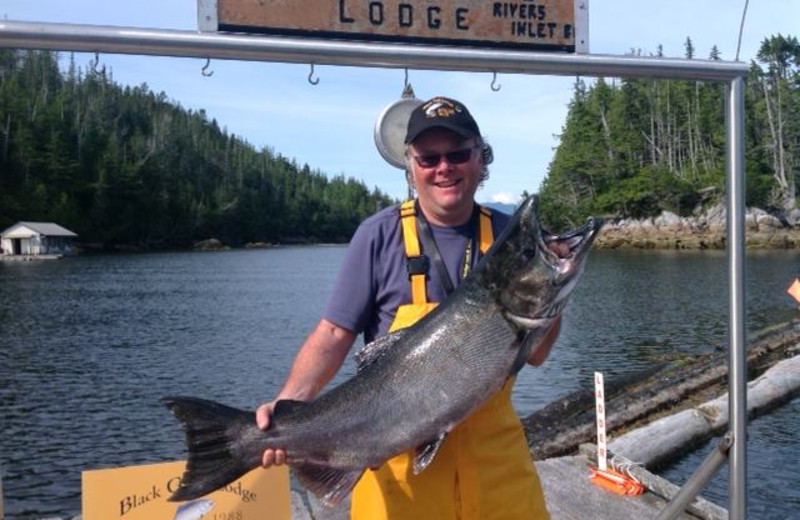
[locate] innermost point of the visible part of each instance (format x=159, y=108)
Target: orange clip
x=616, y=482
x=794, y=289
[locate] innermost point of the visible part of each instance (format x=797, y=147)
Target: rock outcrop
x=706, y=231
x=211, y=244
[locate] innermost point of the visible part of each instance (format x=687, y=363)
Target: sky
x=330, y=126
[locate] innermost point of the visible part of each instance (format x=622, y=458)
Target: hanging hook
x=495, y=86
x=204, y=71
x=96, y=64
x=311, y=79
x=408, y=92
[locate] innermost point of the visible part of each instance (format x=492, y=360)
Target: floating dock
x=569, y=495
x=28, y=258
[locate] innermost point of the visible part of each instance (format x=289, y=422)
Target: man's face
x=445, y=185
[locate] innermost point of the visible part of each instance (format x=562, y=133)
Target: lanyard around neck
x=428, y=242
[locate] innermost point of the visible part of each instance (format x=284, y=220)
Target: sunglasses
x=432, y=160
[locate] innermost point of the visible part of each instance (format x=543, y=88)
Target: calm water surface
x=88, y=346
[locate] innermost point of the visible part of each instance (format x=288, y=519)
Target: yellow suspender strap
x=411, y=242
x=486, y=229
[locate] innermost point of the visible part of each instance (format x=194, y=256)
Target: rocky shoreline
x=707, y=231
x=763, y=230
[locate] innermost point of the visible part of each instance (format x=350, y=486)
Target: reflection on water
x=89, y=345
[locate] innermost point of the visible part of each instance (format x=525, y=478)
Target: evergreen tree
x=124, y=165
x=638, y=147
x=781, y=103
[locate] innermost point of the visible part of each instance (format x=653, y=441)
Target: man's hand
x=541, y=351
x=270, y=457
x=561, y=249
x=317, y=361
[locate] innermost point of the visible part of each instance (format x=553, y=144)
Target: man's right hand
x=317, y=361
x=270, y=457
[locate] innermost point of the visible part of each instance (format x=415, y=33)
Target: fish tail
x=217, y=455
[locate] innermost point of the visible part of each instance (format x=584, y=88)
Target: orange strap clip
x=794, y=289
x=616, y=482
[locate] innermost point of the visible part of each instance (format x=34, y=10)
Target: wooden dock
x=569, y=495
x=28, y=258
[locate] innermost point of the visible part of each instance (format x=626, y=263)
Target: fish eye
x=529, y=252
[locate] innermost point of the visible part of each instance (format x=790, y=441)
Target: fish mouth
x=556, y=263
x=560, y=250
x=564, y=249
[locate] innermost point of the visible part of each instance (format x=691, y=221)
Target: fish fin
x=528, y=342
x=331, y=485
x=425, y=453
x=373, y=350
x=213, y=432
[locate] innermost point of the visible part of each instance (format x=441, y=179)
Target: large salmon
x=412, y=386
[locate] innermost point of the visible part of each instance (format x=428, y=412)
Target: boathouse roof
x=29, y=229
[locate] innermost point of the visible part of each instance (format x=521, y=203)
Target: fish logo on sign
x=193, y=510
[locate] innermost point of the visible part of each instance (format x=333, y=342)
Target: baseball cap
x=441, y=112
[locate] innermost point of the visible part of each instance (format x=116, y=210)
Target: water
x=772, y=455
x=89, y=344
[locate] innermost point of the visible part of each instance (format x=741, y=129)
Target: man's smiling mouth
x=448, y=184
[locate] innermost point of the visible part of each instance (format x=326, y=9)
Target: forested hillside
x=633, y=148
x=124, y=165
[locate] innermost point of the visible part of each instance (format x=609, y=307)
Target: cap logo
x=442, y=112
x=439, y=107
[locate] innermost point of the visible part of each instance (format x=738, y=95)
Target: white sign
x=600, y=409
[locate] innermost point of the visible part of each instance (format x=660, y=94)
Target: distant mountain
x=500, y=206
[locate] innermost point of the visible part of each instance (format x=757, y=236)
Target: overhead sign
x=542, y=25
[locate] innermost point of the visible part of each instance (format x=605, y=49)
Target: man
x=400, y=263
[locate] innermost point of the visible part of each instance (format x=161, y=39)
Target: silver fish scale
x=431, y=380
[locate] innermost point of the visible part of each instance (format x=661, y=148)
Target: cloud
x=504, y=198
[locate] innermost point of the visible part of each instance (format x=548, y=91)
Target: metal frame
x=707, y=469
x=162, y=42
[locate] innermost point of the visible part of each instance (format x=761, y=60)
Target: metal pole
x=698, y=480
x=737, y=362
x=165, y=42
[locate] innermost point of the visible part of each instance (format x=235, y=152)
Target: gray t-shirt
x=373, y=279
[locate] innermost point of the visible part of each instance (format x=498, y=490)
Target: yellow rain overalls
x=483, y=470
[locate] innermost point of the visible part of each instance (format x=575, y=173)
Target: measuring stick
x=600, y=409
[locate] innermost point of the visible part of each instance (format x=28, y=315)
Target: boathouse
x=36, y=239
